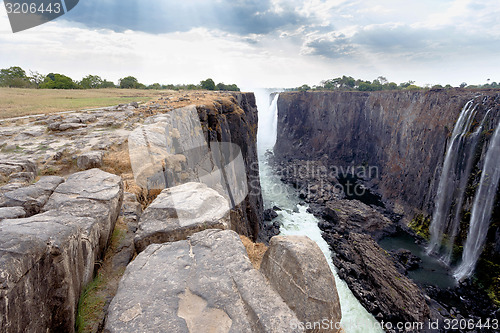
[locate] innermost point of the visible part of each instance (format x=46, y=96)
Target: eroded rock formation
x=46, y=259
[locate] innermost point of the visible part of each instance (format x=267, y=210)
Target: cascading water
x=482, y=208
x=451, y=182
x=295, y=220
x=464, y=177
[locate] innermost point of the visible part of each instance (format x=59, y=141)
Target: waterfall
x=450, y=176
x=268, y=124
x=482, y=208
x=295, y=220
x=469, y=155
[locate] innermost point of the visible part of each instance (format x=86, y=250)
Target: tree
x=58, y=81
x=129, y=82
x=208, y=84
x=107, y=84
x=406, y=84
x=154, y=86
x=304, y=87
x=36, y=78
x=91, y=82
x=463, y=85
x=14, y=77
x=227, y=87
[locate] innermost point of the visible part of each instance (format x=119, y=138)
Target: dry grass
x=255, y=251
x=17, y=102
x=117, y=161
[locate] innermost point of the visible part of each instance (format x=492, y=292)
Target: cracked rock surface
x=203, y=284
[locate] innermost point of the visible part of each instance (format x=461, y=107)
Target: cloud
x=330, y=45
x=241, y=16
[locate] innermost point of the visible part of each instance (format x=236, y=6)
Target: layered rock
x=181, y=211
x=402, y=135
x=46, y=259
x=345, y=216
x=375, y=281
x=31, y=198
x=17, y=171
x=297, y=269
x=203, y=284
x=212, y=144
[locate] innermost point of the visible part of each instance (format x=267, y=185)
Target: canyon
x=388, y=150
x=363, y=167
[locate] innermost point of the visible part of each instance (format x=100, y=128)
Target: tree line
x=16, y=77
x=348, y=83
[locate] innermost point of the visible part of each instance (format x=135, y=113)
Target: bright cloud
x=264, y=43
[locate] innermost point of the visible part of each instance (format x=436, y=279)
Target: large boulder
x=297, y=269
x=46, y=259
x=32, y=198
x=203, y=284
x=92, y=193
x=181, y=211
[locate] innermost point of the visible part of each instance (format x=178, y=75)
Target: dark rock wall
x=403, y=134
x=237, y=123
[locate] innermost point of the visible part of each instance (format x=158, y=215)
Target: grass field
x=15, y=102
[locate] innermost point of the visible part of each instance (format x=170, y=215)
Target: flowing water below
x=295, y=220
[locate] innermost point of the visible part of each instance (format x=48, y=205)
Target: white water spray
x=482, y=209
x=295, y=219
x=447, y=182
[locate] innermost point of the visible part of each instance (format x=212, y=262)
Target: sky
x=267, y=43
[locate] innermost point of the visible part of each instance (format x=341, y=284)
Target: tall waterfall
x=268, y=124
x=464, y=177
x=295, y=220
x=482, y=208
x=452, y=183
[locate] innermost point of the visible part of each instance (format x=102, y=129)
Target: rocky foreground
x=66, y=219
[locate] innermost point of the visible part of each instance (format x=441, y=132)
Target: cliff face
x=236, y=122
x=401, y=134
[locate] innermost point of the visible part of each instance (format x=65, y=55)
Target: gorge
x=376, y=180
x=436, y=162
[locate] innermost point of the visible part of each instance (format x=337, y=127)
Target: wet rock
x=203, y=284
x=181, y=211
x=374, y=279
x=11, y=213
x=89, y=160
x=270, y=214
x=407, y=260
x=354, y=216
x=297, y=269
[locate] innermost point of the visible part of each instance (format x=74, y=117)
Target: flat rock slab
x=181, y=211
x=203, y=284
x=92, y=193
x=31, y=198
x=11, y=213
x=297, y=269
